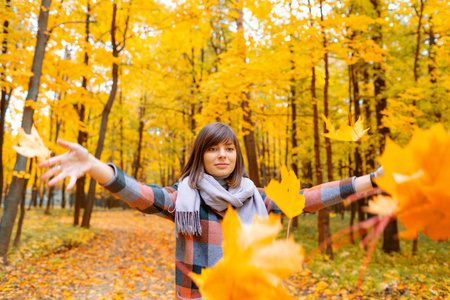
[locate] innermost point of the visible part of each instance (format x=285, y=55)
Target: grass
x=46, y=234
x=399, y=275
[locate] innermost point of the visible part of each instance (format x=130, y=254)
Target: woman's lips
x=221, y=165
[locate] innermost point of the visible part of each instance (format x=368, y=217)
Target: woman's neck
x=222, y=181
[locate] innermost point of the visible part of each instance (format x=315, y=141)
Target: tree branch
x=68, y=22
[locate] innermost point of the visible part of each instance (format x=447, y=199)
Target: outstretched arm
x=365, y=182
x=330, y=193
x=74, y=164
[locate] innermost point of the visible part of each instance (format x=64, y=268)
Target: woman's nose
x=222, y=152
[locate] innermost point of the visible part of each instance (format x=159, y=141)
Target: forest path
x=132, y=257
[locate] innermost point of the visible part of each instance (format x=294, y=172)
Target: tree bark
x=418, y=41
x=325, y=98
x=326, y=211
x=4, y=101
x=80, y=195
x=18, y=184
x=248, y=129
x=137, y=157
x=22, y=210
x=390, y=241
x=106, y=110
x=324, y=218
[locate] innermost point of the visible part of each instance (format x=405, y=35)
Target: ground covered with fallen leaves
x=128, y=255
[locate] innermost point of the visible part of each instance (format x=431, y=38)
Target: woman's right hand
x=73, y=164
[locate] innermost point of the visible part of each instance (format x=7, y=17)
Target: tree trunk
x=18, y=184
x=22, y=210
x=137, y=157
x=390, y=242
x=249, y=125
x=326, y=211
x=293, y=102
x=63, y=194
x=416, y=75
x=324, y=218
x=122, y=160
x=4, y=101
x=106, y=110
x=357, y=154
x=325, y=99
x=418, y=42
x=80, y=195
x=432, y=57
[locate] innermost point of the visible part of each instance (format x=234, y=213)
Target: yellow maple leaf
x=286, y=194
x=417, y=176
x=31, y=145
x=254, y=263
x=345, y=133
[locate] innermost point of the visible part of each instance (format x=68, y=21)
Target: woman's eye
x=230, y=149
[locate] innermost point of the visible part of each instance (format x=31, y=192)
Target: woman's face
x=220, y=160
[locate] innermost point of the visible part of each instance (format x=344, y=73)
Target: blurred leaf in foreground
x=253, y=264
x=418, y=176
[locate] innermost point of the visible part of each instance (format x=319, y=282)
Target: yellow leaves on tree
x=253, y=264
x=418, y=176
x=286, y=194
x=31, y=145
x=345, y=133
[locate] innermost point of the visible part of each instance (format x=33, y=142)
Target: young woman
x=213, y=178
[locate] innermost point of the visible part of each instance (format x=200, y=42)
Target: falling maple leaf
x=31, y=145
x=254, y=263
x=345, y=133
x=286, y=194
x=417, y=176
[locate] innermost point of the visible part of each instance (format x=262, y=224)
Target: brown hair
x=211, y=135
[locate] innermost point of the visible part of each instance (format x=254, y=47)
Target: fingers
x=72, y=182
x=51, y=162
x=57, y=179
x=68, y=145
x=50, y=172
x=379, y=172
x=57, y=160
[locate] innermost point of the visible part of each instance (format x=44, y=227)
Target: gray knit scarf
x=245, y=199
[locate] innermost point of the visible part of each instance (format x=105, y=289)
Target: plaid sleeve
x=150, y=199
x=319, y=196
x=328, y=194
x=271, y=206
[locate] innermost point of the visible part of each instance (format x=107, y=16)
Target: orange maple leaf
x=286, y=194
x=31, y=145
x=345, y=133
x=417, y=176
x=253, y=262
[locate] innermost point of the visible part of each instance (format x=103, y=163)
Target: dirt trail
x=131, y=258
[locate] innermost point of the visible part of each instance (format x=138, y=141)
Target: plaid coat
x=198, y=252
